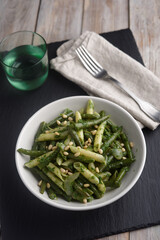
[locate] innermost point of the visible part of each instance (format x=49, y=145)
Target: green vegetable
x=90, y=123
x=79, y=159
x=68, y=183
x=32, y=153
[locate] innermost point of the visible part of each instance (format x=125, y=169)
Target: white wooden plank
x=60, y=19
x=145, y=25
x=17, y=15
x=105, y=16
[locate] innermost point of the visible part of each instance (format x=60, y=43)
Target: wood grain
x=105, y=16
x=145, y=25
x=59, y=20
x=122, y=236
x=152, y=233
x=17, y=15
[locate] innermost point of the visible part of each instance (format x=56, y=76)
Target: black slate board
x=25, y=217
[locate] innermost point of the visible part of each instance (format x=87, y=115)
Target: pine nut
x=123, y=149
x=40, y=183
x=89, y=140
x=100, y=151
x=69, y=173
x=58, y=122
x=77, y=154
x=50, y=147
x=46, y=131
x=48, y=185
x=96, y=126
x=122, y=144
x=66, y=148
x=65, y=123
x=62, y=170
x=54, y=148
x=57, y=133
x=70, y=119
x=94, y=132
x=131, y=144
x=85, y=147
x=86, y=185
x=65, y=153
x=85, y=200
x=70, y=143
x=124, y=158
x=64, y=116
x=97, y=169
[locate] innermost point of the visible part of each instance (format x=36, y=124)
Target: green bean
x=102, y=113
x=80, y=190
x=42, y=160
x=57, y=190
x=68, y=163
x=98, y=136
x=67, y=140
x=39, y=131
x=77, y=196
x=111, y=182
x=111, y=140
x=56, y=180
x=67, y=112
x=52, y=136
x=59, y=160
x=91, y=167
x=32, y=153
x=88, y=154
x=90, y=107
x=54, y=169
x=80, y=158
x=86, y=173
x=117, y=153
x=87, y=135
x=113, y=126
x=85, y=189
x=58, y=129
x=96, y=192
x=101, y=186
x=68, y=183
x=121, y=174
x=75, y=136
x=90, y=116
x=90, y=123
x=105, y=175
x=119, y=164
x=80, y=132
x=43, y=186
x=127, y=146
x=51, y=194
x=91, y=170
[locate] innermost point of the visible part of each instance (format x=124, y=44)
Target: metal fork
x=97, y=71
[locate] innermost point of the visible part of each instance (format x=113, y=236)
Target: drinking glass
x=23, y=56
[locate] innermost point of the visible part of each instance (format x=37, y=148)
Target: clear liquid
x=28, y=68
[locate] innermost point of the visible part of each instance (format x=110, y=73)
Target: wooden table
x=57, y=20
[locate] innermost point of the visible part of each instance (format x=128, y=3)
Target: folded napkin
x=119, y=65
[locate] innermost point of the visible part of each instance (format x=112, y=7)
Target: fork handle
x=131, y=94
x=146, y=107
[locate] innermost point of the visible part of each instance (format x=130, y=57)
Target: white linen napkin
x=119, y=65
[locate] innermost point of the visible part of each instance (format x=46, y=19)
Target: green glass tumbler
x=24, y=58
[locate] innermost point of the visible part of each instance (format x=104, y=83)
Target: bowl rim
x=85, y=207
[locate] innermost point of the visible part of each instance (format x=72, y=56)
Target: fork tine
x=89, y=59
x=85, y=62
x=92, y=59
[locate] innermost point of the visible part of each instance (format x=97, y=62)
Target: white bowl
x=120, y=116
